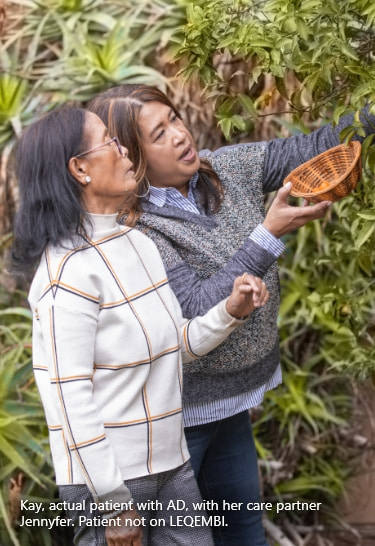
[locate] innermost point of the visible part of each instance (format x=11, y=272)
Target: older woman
x=205, y=213
x=109, y=338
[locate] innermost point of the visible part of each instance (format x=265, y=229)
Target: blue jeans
x=224, y=460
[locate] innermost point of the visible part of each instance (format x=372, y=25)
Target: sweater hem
x=205, y=387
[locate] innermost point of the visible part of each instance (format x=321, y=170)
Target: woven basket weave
x=328, y=176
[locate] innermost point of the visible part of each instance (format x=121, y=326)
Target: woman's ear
x=77, y=168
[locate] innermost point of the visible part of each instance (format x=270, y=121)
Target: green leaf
x=247, y=104
x=13, y=455
x=358, y=70
x=16, y=311
x=347, y=134
x=367, y=214
x=364, y=234
x=302, y=28
x=309, y=6
x=261, y=43
x=226, y=126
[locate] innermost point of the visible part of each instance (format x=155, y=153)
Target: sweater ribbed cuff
x=115, y=502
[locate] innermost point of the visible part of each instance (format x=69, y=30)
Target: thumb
x=283, y=192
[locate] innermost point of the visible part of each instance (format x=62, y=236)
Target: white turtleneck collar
x=102, y=222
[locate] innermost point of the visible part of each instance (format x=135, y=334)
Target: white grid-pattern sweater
x=108, y=344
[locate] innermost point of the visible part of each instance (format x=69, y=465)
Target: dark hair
x=119, y=108
x=50, y=209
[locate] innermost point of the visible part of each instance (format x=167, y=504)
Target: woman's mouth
x=189, y=154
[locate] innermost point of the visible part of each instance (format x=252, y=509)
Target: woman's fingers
x=255, y=285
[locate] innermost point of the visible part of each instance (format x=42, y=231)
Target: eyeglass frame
x=114, y=139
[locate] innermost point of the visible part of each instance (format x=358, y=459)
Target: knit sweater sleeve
x=285, y=154
x=196, y=295
x=201, y=335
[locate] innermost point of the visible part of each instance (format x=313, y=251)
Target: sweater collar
x=101, y=222
x=206, y=222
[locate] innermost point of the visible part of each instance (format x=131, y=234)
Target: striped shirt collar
x=172, y=197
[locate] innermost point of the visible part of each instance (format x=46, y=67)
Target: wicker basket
x=328, y=176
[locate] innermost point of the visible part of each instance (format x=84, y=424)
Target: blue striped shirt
x=174, y=198
x=199, y=413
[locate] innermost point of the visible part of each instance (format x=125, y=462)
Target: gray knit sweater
x=204, y=253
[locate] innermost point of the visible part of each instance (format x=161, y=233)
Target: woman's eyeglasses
x=114, y=139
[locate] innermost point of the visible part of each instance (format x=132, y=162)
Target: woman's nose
x=179, y=135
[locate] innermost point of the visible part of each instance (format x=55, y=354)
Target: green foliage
x=297, y=431
x=327, y=324
x=88, y=65
x=23, y=432
x=60, y=50
x=16, y=92
x=24, y=449
x=328, y=283
x=326, y=45
x=12, y=91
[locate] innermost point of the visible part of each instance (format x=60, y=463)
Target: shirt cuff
x=267, y=240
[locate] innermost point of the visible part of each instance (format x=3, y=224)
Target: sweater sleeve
x=69, y=341
x=285, y=154
x=201, y=335
x=196, y=295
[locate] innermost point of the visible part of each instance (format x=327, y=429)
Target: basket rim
x=353, y=143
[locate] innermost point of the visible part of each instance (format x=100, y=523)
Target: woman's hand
x=125, y=533
x=282, y=218
x=248, y=293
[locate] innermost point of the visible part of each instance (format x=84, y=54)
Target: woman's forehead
x=94, y=124
x=151, y=113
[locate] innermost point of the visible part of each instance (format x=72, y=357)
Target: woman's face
x=110, y=172
x=172, y=158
